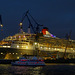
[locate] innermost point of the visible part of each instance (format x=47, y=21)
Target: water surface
x=50, y=69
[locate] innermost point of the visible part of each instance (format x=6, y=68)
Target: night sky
x=57, y=15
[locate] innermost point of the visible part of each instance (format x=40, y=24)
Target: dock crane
x=27, y=14
x=37, y=27
x=68, y=36
x=30, y=24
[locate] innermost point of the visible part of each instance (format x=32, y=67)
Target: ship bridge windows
x=20, y=43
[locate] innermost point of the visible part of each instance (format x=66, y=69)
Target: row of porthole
x=10, y=53
x=48, y=48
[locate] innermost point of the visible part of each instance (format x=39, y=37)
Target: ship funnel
x=46, y=33
x=44, y=30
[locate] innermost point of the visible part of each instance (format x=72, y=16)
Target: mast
x=1, y=25
x=21, y=29
x=68, y=39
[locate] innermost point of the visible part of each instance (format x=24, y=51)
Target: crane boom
x=30, y=24
x=37, y=28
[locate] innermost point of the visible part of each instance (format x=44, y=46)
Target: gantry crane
x=30, y=24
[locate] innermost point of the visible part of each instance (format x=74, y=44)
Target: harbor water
x=49, y=69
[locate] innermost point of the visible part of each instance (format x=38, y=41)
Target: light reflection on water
x=50, y=69
x=25, y=70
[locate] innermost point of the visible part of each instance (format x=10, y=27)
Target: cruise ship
x=13, y=47
x=46, y=44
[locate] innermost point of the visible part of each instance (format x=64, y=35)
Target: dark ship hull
x=13, y=54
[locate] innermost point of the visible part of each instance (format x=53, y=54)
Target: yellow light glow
x=40, y=47
x=17, y=57
x=22, y=46
x=49, y=48
x=1, y=53
x=1, y=25
x=4, y=46
x=35, y=43
x=13, y=53
x=16, y=53
x=9, y=53
x=26, y=47
x=55, y=48
x=17, y=46
x=8, y=46
x=20, y=24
